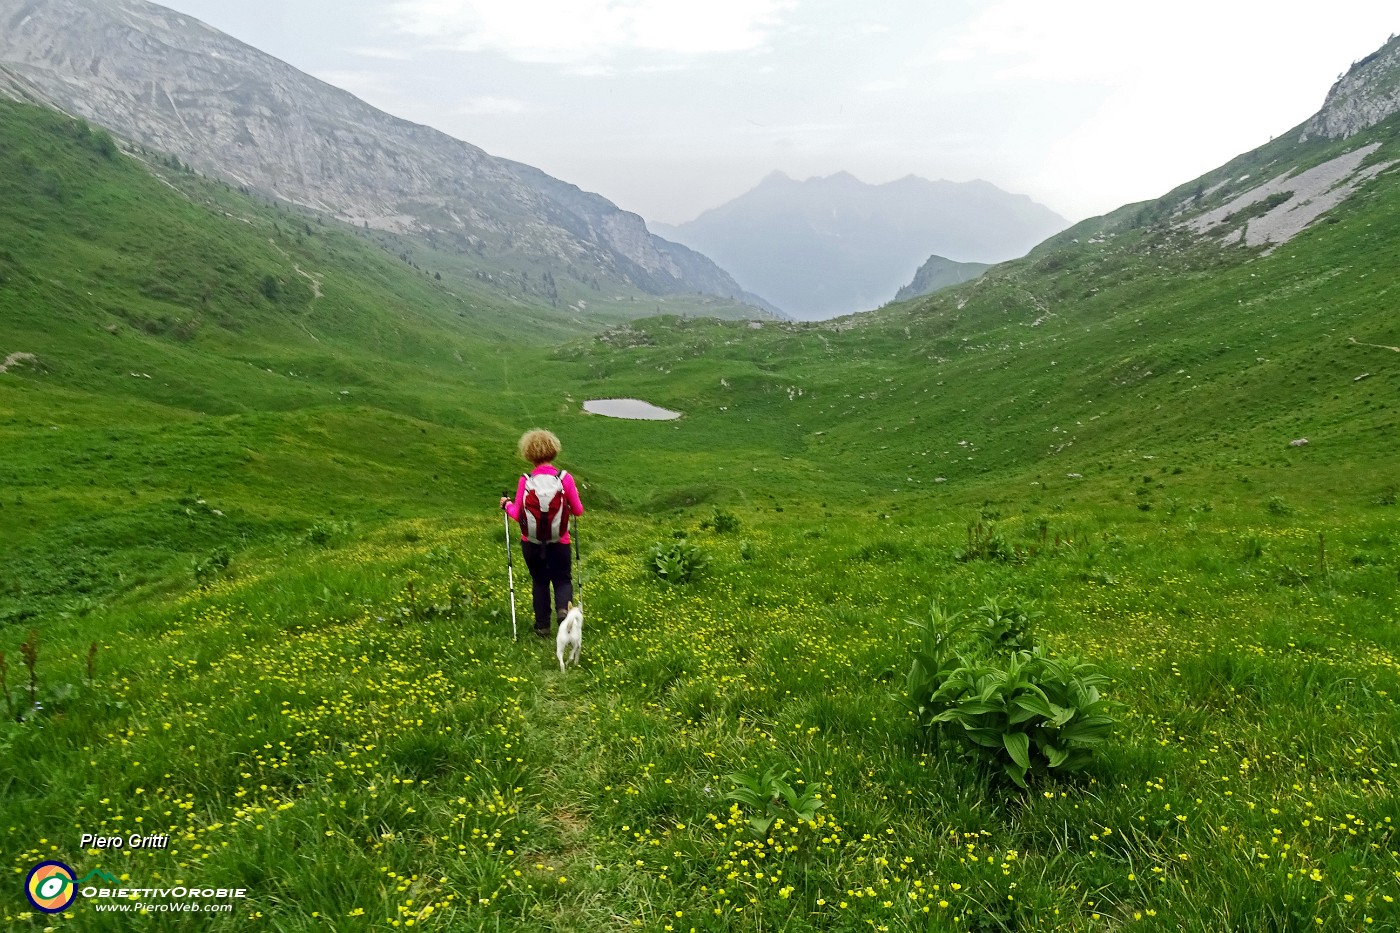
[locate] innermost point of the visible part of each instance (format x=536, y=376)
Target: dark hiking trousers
x=549, y=564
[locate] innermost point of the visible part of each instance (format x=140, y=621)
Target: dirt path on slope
x=312, y=277
x=1378, y=346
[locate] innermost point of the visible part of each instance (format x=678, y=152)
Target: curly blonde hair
x=539, y=446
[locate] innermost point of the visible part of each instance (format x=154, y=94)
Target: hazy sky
x=670, y=107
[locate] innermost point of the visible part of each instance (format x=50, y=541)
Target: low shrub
x=205, y=569
x=326, y=531
x=985, y=542
x=769, y=797
x=678, y=561
x=1008, y=625
x=722, y=522
x=983, y=683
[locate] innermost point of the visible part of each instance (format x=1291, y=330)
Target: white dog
x=570, y=639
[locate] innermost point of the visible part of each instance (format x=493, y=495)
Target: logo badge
x=51, y=887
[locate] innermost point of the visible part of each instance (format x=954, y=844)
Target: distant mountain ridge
x=169, y=82
x=937, y=274
x=827, y=246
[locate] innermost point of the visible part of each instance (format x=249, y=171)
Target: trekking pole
x=510, y=575
x=578, y=571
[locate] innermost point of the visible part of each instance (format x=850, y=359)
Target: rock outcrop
x=1367, y=94
x=173, y=84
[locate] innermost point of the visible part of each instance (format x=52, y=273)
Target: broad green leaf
x=986, y=737
x=1018, y=745
x=1037, y=704
x=1022, y=715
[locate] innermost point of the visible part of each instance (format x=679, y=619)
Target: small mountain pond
x=633, y=408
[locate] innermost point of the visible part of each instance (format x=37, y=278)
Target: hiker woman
x=544, y=500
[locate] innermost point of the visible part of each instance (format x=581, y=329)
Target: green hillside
x=188, y=343
x=260, y=597
x=1125, y=339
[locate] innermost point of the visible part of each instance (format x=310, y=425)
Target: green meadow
x=253, y=587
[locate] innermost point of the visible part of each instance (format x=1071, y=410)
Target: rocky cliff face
x=173, y=84
x=18, y=88
x=1367, y=94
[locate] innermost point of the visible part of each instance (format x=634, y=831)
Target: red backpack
x=544, y=516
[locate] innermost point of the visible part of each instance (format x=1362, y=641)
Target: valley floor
x=342, y=726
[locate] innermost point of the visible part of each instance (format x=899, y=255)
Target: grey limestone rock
x=170, y=83
x=1367, y=94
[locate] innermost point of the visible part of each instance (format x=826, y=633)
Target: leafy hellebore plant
x=678, y=561
x=1016, y=708
x=770, y=797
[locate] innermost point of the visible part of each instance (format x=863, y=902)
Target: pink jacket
x=570, y=494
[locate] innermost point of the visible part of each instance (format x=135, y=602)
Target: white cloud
x=884, y=86
x=574, y=31
x=1174, y=90
x=1188, y=41
x=1083, y=40
x=384, y=54
x=591, y=71
x=488, y=106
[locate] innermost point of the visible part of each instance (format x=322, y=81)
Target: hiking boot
x=542, y=632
